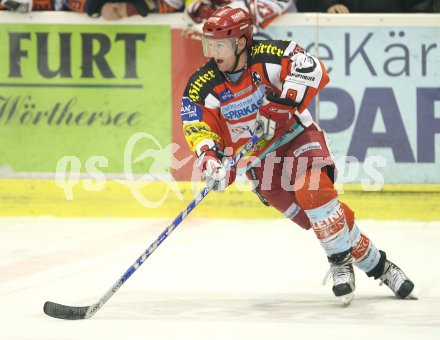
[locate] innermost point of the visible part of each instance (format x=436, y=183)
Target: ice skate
x=343, y=281
x=396, y=280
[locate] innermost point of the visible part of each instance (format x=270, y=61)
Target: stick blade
x=58, y=311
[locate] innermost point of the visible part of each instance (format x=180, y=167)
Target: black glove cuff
x=273, y=97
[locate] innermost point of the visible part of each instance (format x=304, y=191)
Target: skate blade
x=346, y=299
x=412, y=297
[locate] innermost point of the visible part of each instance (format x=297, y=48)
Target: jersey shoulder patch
x=268, y=51
x=202, y=82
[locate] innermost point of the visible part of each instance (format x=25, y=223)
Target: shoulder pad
x=268, y=50
x=202, y=81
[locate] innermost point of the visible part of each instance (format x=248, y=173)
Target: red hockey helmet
x=228, y=22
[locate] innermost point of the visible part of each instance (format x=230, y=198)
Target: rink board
x=87, y=112
x=43, y=197
x=368, y=47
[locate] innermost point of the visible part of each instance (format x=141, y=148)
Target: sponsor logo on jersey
x=307, y=147
x=189, y=111
x=307, y=67
x=197, y=85
x=242, y=92
x=296, y=76
x=266, y=49
x=242, y=108
x=226, y=95
x=240, y=130
x=256, y=78
x=307, y=73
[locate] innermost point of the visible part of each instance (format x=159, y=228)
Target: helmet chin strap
x=237, y=57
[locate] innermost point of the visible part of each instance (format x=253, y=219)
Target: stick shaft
x=141, y=259
x=75, y=313
x=172, y=226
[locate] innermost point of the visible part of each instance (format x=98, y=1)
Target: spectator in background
x=200, y=10
x=108, y=9
x=263, y=12
x=25, y=6
x=115, y=10
x=365, y=6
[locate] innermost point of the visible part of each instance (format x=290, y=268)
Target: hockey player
x=268, y=84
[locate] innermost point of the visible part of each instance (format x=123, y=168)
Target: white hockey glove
x=273, y=114
x=214, y=171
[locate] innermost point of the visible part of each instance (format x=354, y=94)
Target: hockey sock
x=364, y=252
x=318, y=198
x=328, y=223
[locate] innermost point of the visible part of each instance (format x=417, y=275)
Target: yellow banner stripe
x=36, y=197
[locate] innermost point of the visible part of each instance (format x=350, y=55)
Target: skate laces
x=340, y=274
x=393, y=277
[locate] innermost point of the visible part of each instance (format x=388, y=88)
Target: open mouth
x=219, y=61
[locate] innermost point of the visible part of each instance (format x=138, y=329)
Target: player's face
x=222, y=50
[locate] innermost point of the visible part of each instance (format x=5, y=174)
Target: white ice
x=211, y=279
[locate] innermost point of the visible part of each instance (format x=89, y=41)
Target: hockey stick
x=59, y=311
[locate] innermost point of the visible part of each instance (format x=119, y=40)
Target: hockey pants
x=297, y=179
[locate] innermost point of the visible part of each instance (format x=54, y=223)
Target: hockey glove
x=273, y=114
x=200, y=10
x=214, y=171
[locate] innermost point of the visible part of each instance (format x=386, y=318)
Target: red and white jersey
x=217, y=111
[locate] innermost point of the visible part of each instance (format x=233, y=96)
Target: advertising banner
x=381, y=109
x=84, y=100
x=109, y=97
x=382, y=106
x=84, y=97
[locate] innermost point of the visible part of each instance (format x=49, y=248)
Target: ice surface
x=211, y=279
